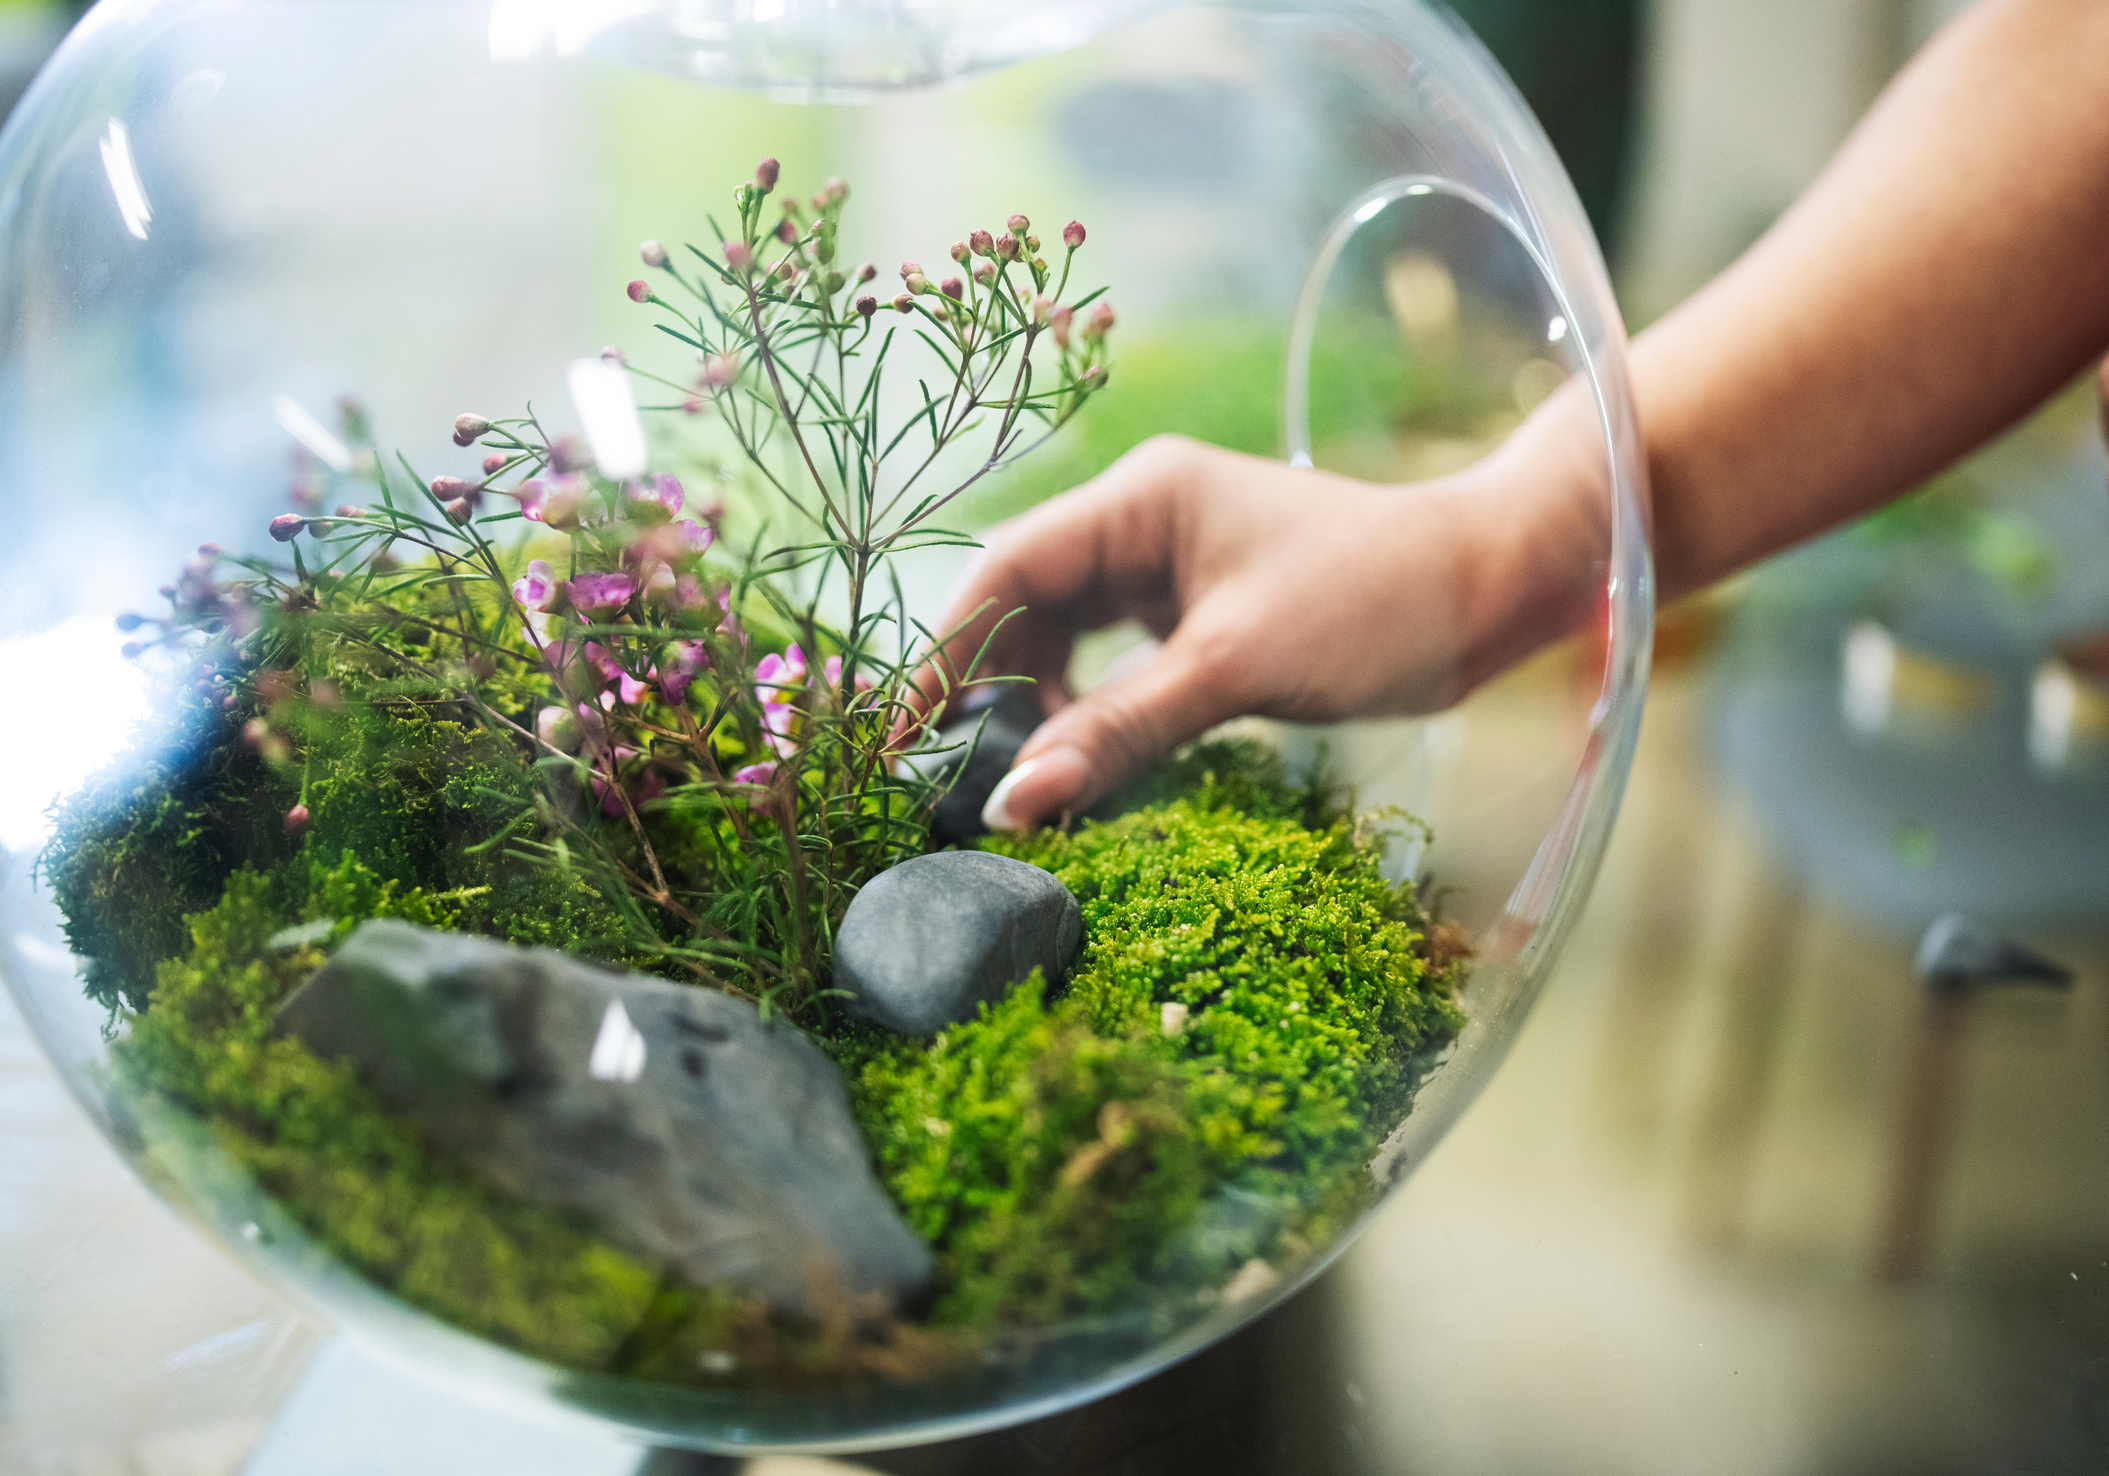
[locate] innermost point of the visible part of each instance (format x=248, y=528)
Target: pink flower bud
x=613, y=355
x=1019, y=225
x=1043, y=306
x=985, y=272
x=492, y=465
x=468, y=428
x=1007, y=247
x=904, y=302
x=867, y=305
x=765, y=175
x=866, y=273
x=1094, y=377
x=1073, y=234
x=960, y=252
x=953, y=288
x=286, y=526
x=1100, y=322
x=1032, y=245
x=559, y=729
x=720, y=370
x=787, y=230
x=835, y=191
x=917, y=283
x=982, y=243
x=448, y=488
x=296, y=819
x=653, y=254
x=460, y=510
x=640, y=291
x=1059, y=321
x=910, y=269
x=739, y=254
x=347, y=510
x=787, y=270
x=939, y=311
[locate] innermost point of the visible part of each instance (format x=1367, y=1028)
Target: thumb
x=1093, y=744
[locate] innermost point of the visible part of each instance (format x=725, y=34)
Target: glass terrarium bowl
x=1332, y=231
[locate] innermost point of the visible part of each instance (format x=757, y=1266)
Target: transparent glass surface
x=1333, y=233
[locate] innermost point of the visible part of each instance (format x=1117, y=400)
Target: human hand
x=1276, y=591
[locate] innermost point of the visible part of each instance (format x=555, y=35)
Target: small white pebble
x=1254, y=1278
x=1172, y=1016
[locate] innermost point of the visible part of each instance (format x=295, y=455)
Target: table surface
x=1744, y=1199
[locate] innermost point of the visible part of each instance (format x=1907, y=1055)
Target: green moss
x=1063, y=1154
x=1051, y=1150
x=329, y=1151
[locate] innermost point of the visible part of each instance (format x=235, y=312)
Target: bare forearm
x=1948, y=272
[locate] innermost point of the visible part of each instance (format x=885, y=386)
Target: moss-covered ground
x=1068, y=1153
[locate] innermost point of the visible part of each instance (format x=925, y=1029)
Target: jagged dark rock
x=925, y=943
x=688, y=1129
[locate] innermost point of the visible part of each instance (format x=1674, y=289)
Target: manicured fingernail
x=1037, y=789
x=996, y=814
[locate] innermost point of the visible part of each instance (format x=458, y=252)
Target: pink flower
x=559, y=506
x=537, y=588
x=833, y=668
x=690, y=657
x=778, y=682
x=739, y=254
x=595, y=595
x=654, y=499
x=1073, y=234
x=982, y=243
x=1059, y=320
x=296, y=819
x=468, y=429
x=765, y=174
x=641, y=791
x=286, y=526
x=630, y=689
x=720, y=370
x=640, y=291
x=1100, y=321
x=759, y=774
x=533, y=497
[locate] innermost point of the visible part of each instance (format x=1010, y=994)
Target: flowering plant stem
x=721, y=760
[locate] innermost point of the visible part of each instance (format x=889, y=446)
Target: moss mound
x=1067, y=1155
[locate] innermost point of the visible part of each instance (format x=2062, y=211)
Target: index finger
x=1078, y=561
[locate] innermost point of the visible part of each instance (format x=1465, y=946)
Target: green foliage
x=1044, y=1161
x=329, y=1151
x=1051, y=1149
x=149, y=841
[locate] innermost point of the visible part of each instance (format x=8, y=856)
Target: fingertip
x=1038, y=790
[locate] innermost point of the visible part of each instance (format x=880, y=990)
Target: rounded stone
x=925, y=944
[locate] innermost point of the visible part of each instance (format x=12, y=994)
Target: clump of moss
x=1063, y=1152
x=1052, y=1148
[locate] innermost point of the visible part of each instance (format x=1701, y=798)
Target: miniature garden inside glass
x=493, y=841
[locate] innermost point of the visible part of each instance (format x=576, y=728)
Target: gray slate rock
x=685, y=1127
x=927, y=942
x=975, y=768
